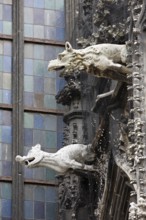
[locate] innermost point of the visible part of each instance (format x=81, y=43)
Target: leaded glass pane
x=5, y=200
x=5, y=71
x=43, y=18
x=6, y=17
x=46, y=130
x=40, y=202
x=40, y=86
x=5, y=143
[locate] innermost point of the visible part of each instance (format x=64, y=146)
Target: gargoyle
x=102, y=60
x=71, y=156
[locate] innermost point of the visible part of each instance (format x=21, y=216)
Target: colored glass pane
x=41, y=18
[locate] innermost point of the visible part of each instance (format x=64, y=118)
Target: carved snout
x=19, y=158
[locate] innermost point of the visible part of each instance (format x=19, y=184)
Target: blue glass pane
x=50, y=18
x=6, y=117
x=28, y=173
x=6, y=152
x=28, y=137
x=6, y=208
x=28, y=67
x=38, y=84
x=60, y=35
x=39, y=31
x=29, y=3
x=7, y=64
x=39, y=210
x=7, y=48
x=50, y=33
x=39, y=4
x=28, y=30
x=39, y=193
x=6, y=134
x=59, y=140
x=28, y=192
x=50, y=123
x=60, y=19
x=51, y=194
x=28, y=209
x=6, y=191
x=38, y=121
x=52, y=211
x=51, y=139
x=6, y=96
x=7, y=12
x=39, y=137
x=28, y=15
x=6, y=168
x=38, y=17
x=28, y=98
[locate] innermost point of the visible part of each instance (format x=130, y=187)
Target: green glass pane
x=7, y=27
x=6, y=190
x=1, y=62
x=28, y=51
x=39, y=173
x=51, y=139
x=1, y=47
x=38, y=31
x=28, y=30
x=1, y=12
x=50, y=101
x=28, y=15
x=50, y=4
x=39, y=52
x=59, y=5
x=50, y=86
x=50, y=174
x=1, y=96
x=28, y=120
x=39, y=68
x=28, y=83
x=28, y=192
x=6, y=81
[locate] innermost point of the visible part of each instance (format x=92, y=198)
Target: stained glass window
x=40, y=202
x=44, y=19
x=5, y=71
x=6, y=17
x=43, y=120
x=45, y=129
x=5, y=143
x=40, y=86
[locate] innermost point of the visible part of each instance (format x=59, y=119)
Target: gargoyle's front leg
x=120, y=68
x=79, y=166
x=101, y=96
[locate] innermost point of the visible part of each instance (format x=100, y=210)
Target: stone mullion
x=17, y=110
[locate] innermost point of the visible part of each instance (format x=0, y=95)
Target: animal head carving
x=34, y=156
x=102, y=60
x=68, y=61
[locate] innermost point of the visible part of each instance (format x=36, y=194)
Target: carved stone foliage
x=71, y=89
x=77, y=196
x=109, y=22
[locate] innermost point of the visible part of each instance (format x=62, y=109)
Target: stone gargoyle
x=102, y=60
x=71, y=156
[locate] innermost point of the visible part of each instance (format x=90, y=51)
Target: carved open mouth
x=28, y=161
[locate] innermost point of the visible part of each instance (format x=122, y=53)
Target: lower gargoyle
x=71, y=156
